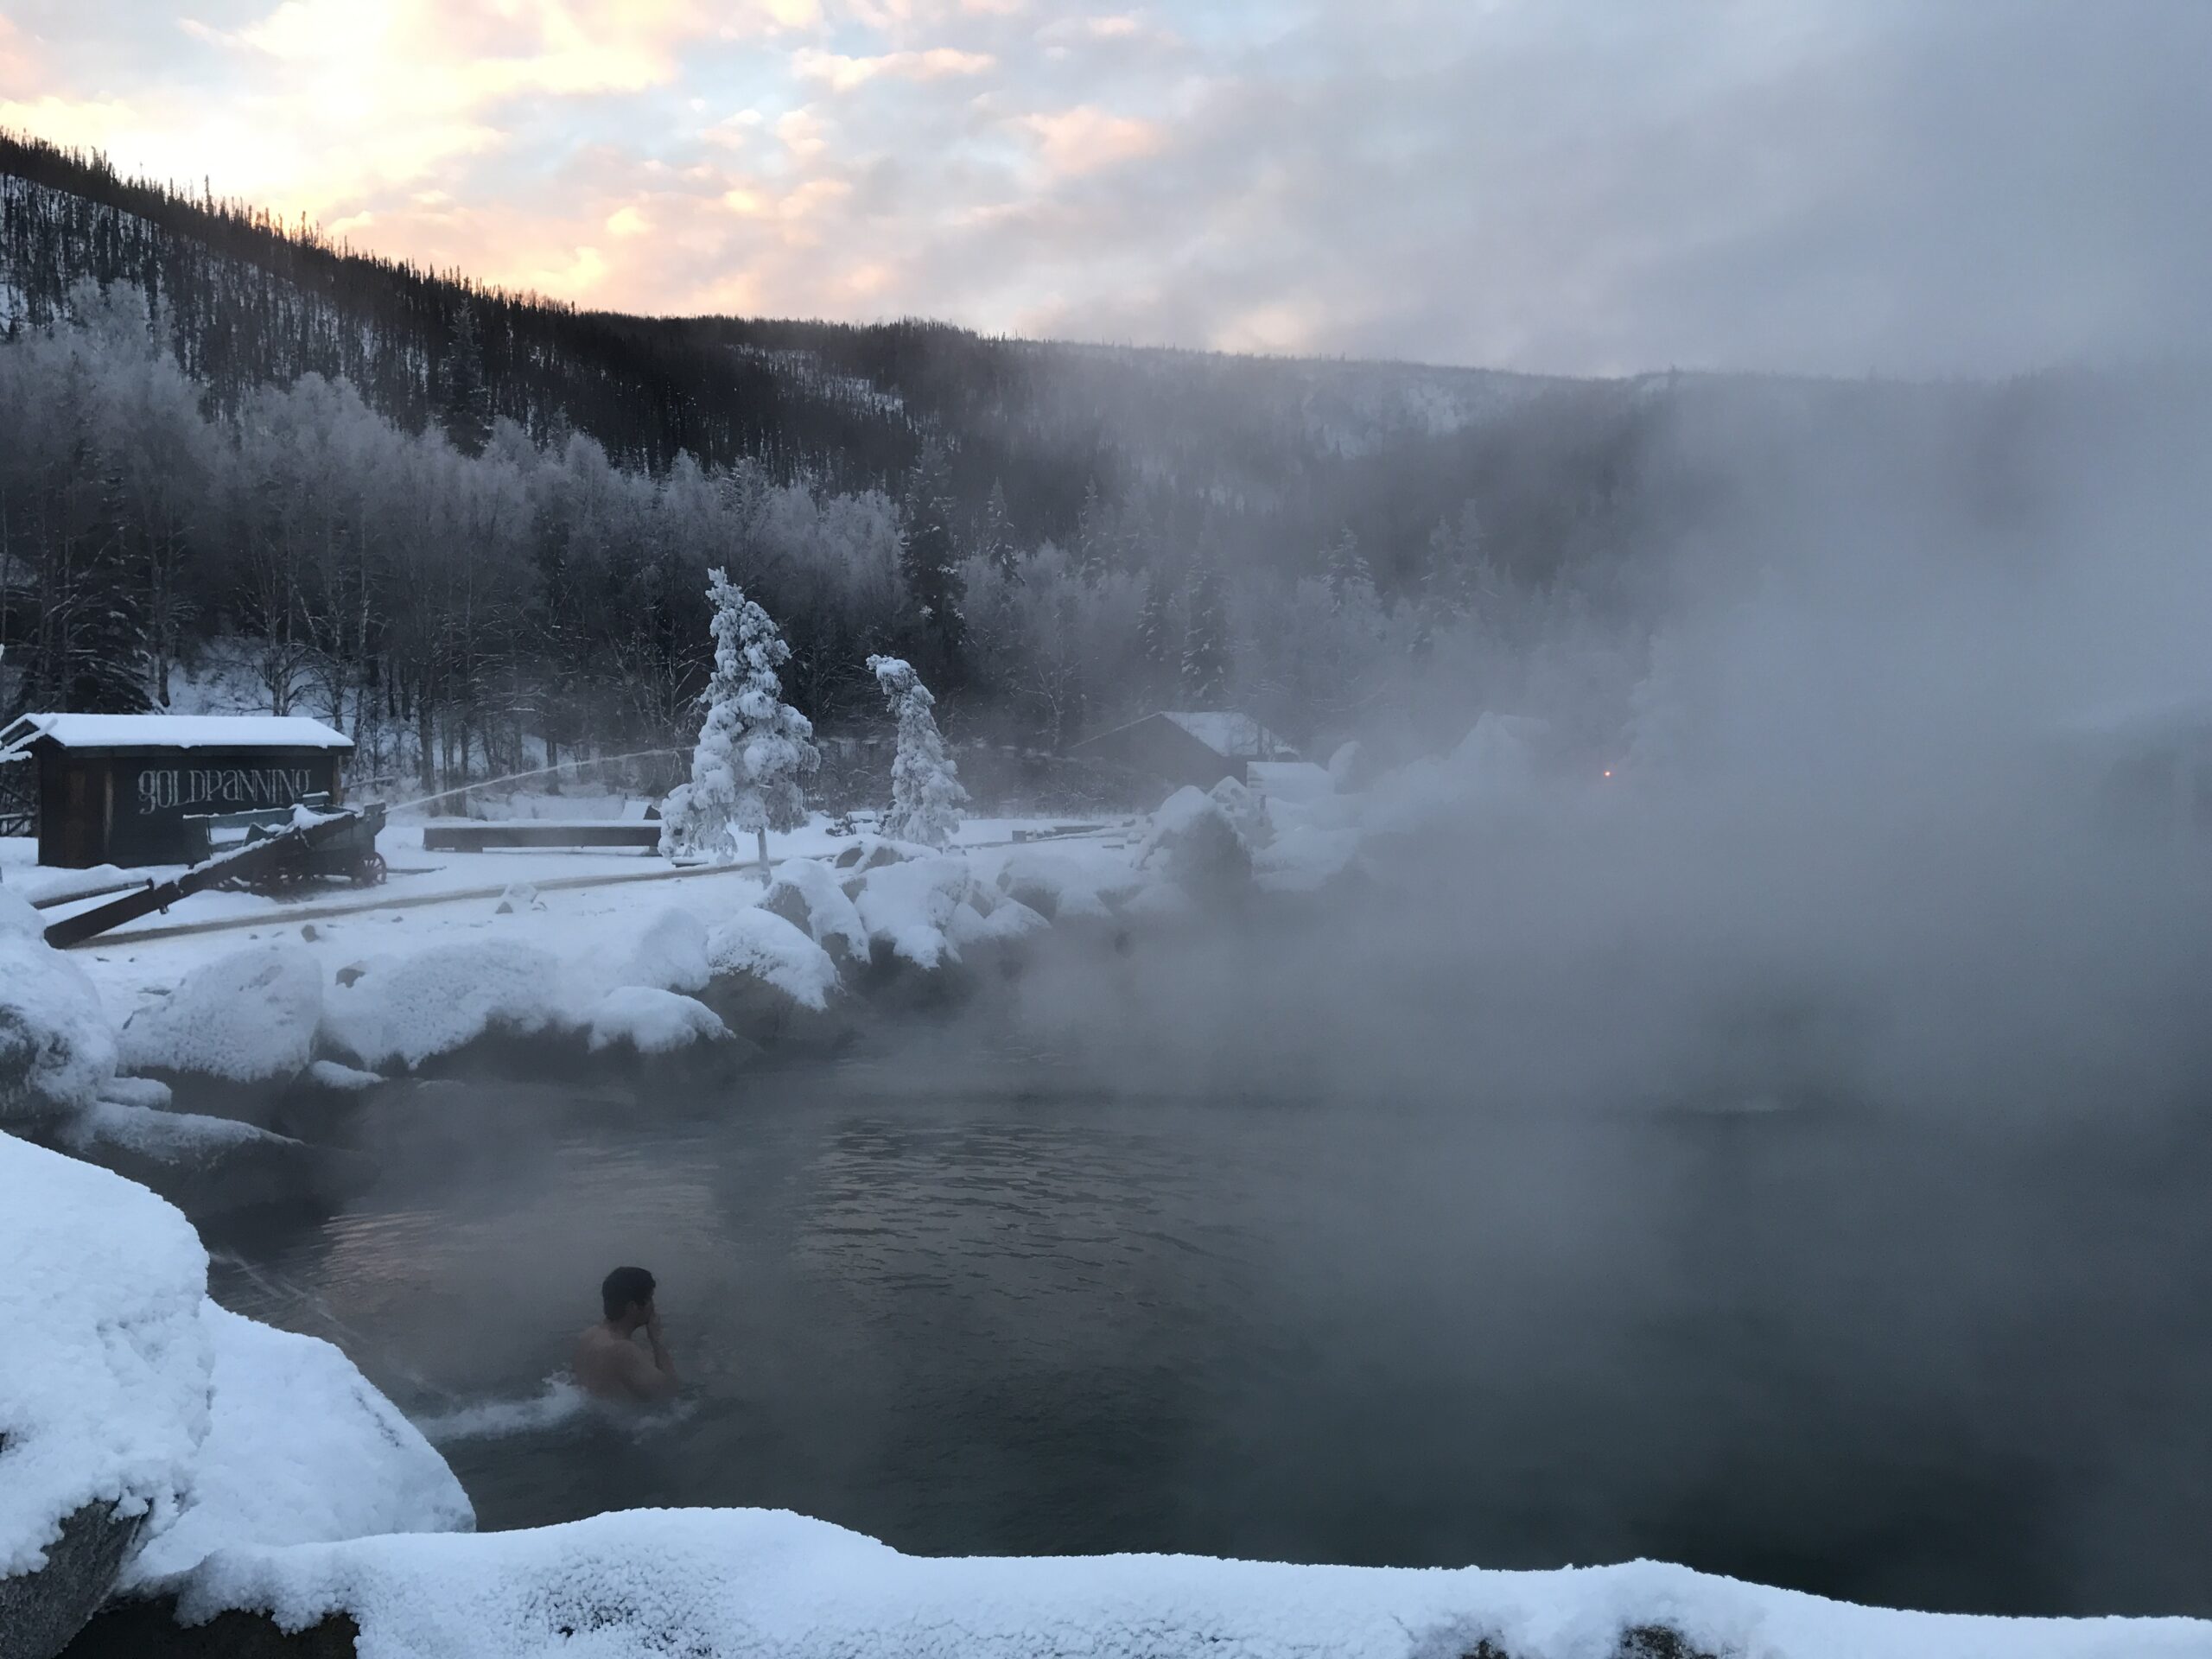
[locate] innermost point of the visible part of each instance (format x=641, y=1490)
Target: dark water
x=969, y=1306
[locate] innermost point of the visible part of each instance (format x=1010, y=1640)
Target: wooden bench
x=475, y=835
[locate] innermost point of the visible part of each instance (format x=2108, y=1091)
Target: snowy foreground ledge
x=714, y=1582
x=141, y=1425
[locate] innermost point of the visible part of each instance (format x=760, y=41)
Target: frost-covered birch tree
x=753, y=747
x=926, y=795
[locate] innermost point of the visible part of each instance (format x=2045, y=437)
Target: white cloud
x=1553, y=184
x=842, y=73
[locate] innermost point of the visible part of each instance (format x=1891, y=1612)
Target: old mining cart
x=285, y=848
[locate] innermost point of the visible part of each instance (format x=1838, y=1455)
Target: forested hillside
x=472, y=525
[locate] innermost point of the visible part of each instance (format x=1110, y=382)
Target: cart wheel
x=370, y=872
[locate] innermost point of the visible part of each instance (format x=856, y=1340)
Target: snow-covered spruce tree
x=753, y=747
x=1205, y=641
x=925, y=791
x=1156, y=638
x=995, y=542
x=929, y=562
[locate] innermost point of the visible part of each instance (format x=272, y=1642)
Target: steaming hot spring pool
x=978, y=1306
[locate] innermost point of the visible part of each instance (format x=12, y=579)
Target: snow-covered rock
x=670, y=954
x=1063, y=882
x=341, y=1079
x=650, y=1021
x=1007, y=919
x=149, y=1092
x=1245, y=810
x=1348, y=767
x=103, y=1380
x=211, y=1166
x=758, y=944
x=907, y=906
x=873, y=852
x=518, y=897
x=443, y=999
x=57, y=1051
x=725, y=1581
x=1193, y=843
x=806, y=895
x=300, y=1448
x=250, y=1016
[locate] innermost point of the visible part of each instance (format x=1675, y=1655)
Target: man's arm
x=653, y=1378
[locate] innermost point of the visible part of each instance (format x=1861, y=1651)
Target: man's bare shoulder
x=603, y=1361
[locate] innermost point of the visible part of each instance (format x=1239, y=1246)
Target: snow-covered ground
x=240, y=987
x=395, y=920
x=725, y=1581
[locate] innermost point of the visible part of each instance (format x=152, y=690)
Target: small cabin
x=122, y=789
x=1194, y=746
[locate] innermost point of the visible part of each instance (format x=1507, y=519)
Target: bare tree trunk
x=761, y=836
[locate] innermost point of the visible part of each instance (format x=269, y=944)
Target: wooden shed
x=119, y=788
x=1192, y=747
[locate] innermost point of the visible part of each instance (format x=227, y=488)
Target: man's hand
x=657, y=1381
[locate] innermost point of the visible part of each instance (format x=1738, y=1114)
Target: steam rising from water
x=1787, y=1155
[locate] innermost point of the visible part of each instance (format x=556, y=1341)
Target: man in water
x=609, y=1364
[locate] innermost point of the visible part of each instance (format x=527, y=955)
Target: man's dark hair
x=625, y=1287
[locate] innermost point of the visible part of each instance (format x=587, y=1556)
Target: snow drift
x=247, y=1017
x=300, y=1449
x=718, y=1581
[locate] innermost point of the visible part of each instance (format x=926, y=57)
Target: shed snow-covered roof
x=1228, y=735
x=175, y=732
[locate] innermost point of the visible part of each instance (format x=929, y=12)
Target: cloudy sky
x=1583, y=186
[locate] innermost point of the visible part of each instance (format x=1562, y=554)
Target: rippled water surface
x=971, y=1305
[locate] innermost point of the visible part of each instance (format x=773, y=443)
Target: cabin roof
x=171, y=732
x=1231, y=735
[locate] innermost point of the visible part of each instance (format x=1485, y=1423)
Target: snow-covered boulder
x=520, y=896
x=1193, y=844
x=649, y=1021
x=103, y=1382
x=322, y=1098
x=906, y=907
x=212, y=1165
x=248, y=1018
x=1348, y=767
x=807, y=895
x=1061, y=883
x=670, y=955
x=1005, y=921
x=57, y=1051
x=444, y=999
x=1245, y=810
x=873, y=852
x=341, y=1079
x=757, y=944
x=300, y=1448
